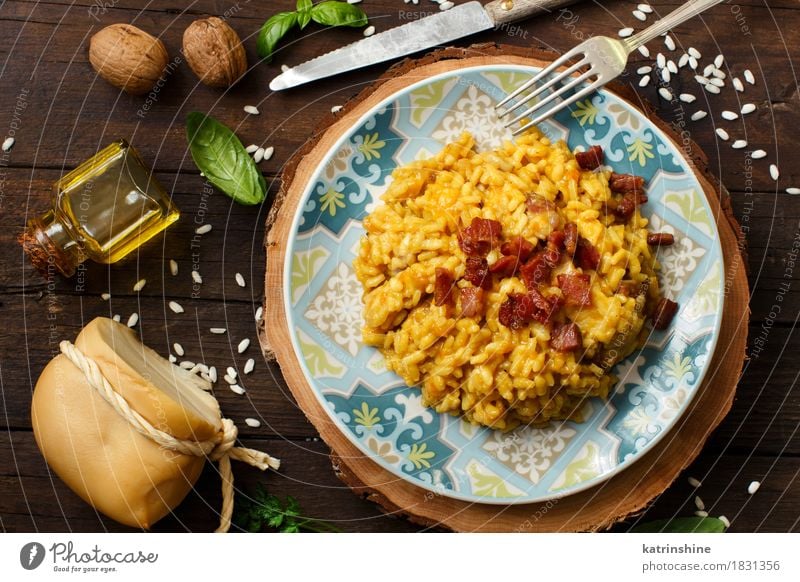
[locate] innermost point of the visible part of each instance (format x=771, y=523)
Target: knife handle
x=506, y=11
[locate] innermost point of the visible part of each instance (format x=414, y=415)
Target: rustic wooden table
x=60, y=113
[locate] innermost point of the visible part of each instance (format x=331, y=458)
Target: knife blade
x=435, y=30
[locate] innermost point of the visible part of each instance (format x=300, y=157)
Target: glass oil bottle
x=102, y=210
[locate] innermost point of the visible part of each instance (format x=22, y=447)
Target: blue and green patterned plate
x=386, y=419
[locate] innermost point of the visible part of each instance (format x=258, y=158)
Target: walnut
x=214, y=52
x=128, y=57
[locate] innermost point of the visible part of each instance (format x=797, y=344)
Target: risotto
x=506, y=284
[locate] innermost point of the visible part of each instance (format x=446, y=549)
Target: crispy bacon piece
x=551, y=255
x=660, y=239
x=566, y=338
x=664, y=312
x=480, y=237
x=477, y=273
x=522, y=308
x=627, y=206
x=571, y=238
x=543, y=308
x=505, y=266
x=586, y=255
x=583, y=253
x=557, y=239
x=443, y=287
x=591, y=159
x=472, y=301
x=576, y=289
x=516, y=312
x=536, y=270
x=626, y=183
x=518, y=247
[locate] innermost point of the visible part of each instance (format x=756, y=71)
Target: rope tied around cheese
x=220, y=449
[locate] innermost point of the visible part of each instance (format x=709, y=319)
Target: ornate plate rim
x=458, y=495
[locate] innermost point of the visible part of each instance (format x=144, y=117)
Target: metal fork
x=605, y=58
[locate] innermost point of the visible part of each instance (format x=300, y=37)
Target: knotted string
x=219, y=449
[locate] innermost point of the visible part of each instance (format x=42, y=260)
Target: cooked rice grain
x=475, y=366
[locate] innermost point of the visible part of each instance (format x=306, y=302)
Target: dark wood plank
x=32, y=492
x=35, y=499
x=724, y=492
x=65, y=113
x=772, y=223
x=78, y=112
x=766, y=412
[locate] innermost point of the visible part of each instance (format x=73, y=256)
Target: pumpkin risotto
x=508, y=283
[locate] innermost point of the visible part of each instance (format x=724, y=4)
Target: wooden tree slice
x=617, y=498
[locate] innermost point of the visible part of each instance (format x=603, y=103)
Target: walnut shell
x=214, y=52
x=128, y=57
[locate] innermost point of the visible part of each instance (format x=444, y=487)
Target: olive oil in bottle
x=102, y=210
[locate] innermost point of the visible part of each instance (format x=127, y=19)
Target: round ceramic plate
x=383, y=417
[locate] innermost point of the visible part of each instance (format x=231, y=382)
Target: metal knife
x=431, y=31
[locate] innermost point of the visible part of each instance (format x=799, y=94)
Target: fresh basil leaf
x=335, y=13
x=219, y=154
x=273, y=31
x=304, y=12
x=682, y=525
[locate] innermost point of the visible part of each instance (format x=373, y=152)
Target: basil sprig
x=682, y=525
x=328, y=13
x=219, y=154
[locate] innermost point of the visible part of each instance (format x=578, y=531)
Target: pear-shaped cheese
x=96, y=451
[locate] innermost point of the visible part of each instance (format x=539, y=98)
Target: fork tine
x=571, y=85
x=539, y=76
x=550, y=112
x=539, y=90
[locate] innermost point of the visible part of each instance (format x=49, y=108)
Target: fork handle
x=507, y=11
x=671, y=20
